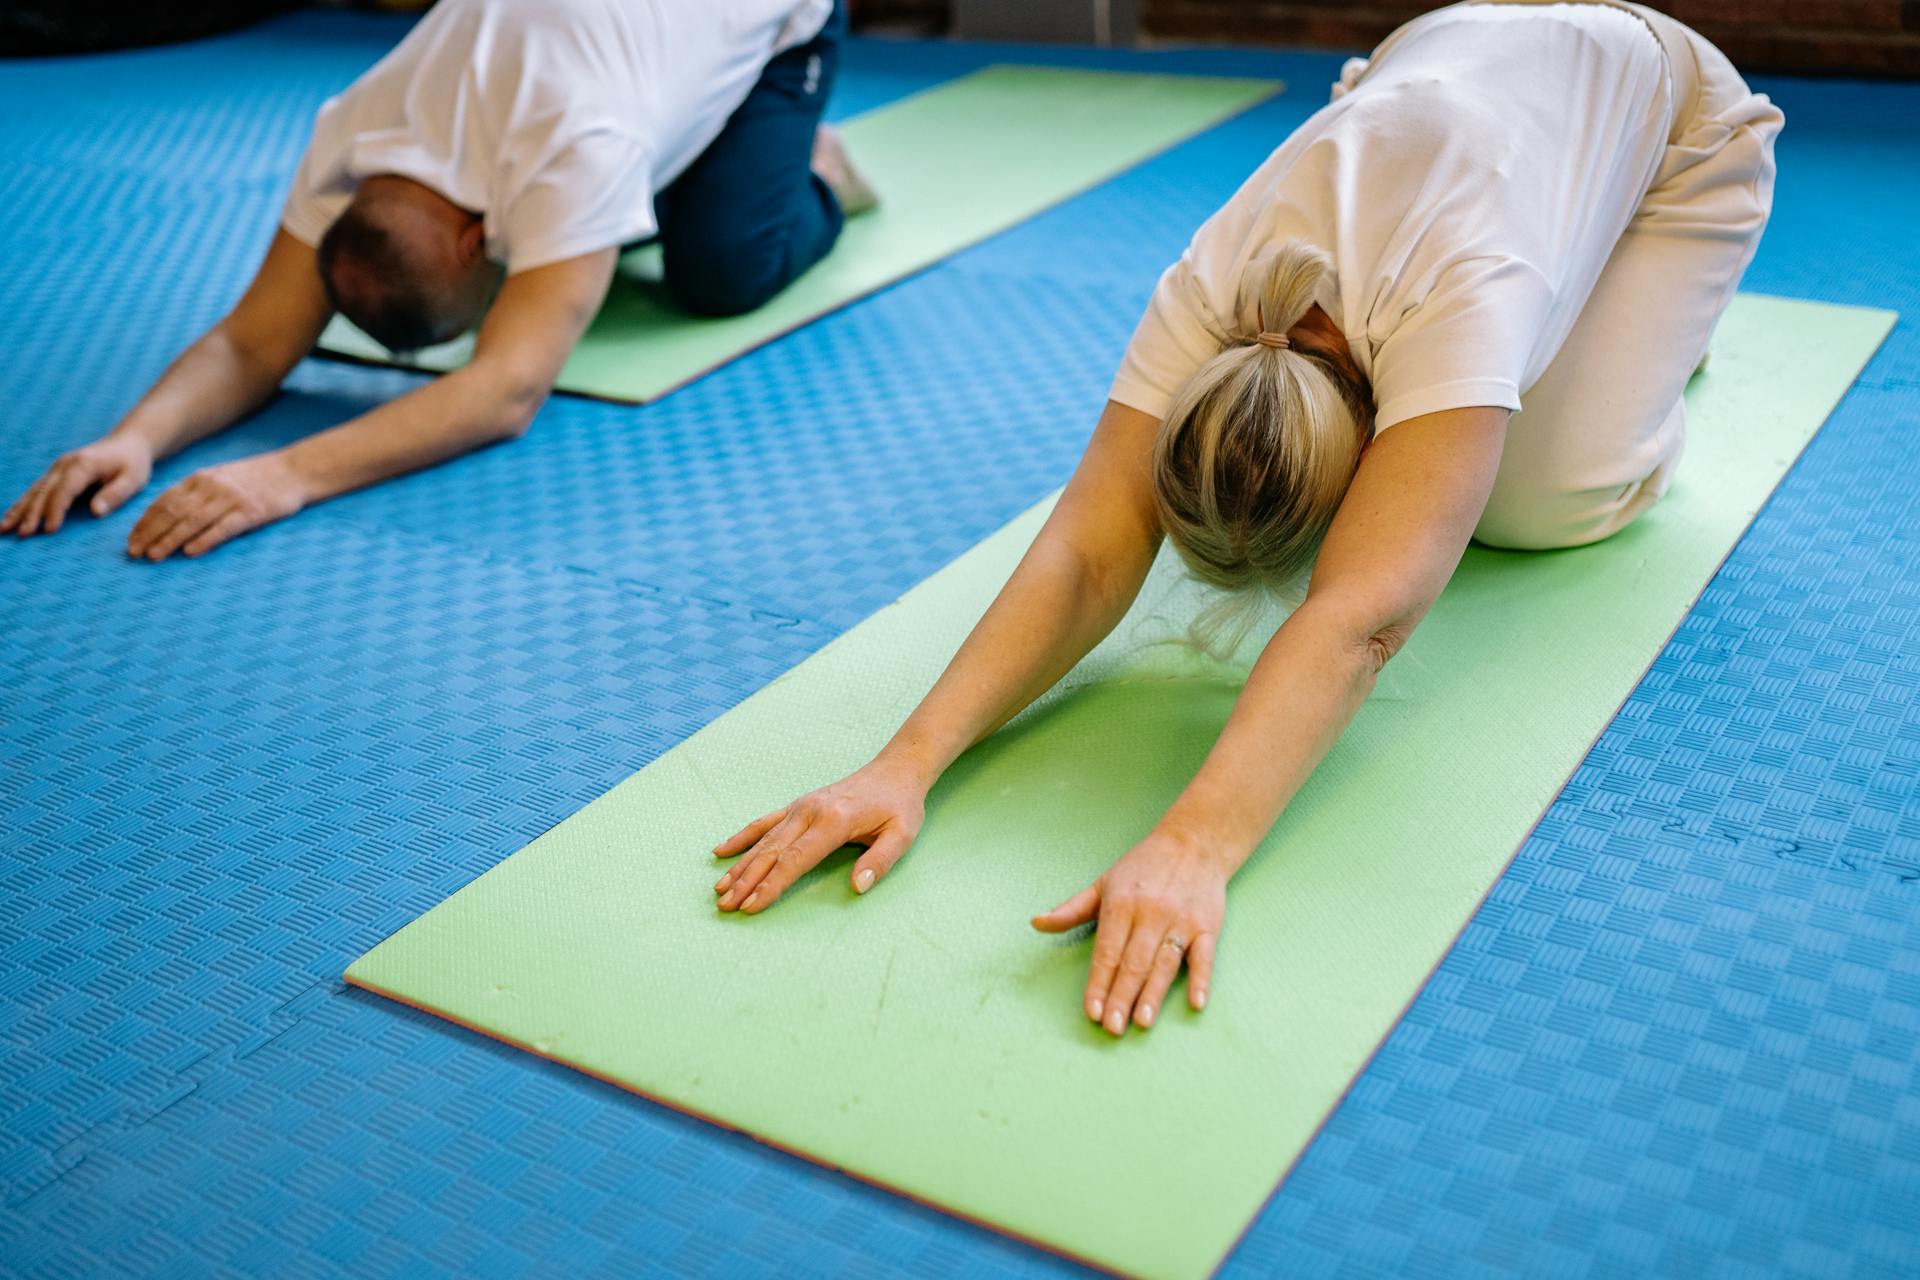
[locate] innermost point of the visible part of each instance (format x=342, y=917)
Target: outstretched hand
x=116, y=468
x=1160, y=906
x=877, y=806
x=216, y=505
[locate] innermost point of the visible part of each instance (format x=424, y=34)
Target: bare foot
x=835, y=168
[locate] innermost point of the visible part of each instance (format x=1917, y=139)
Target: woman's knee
x=1522, y=517
x=1545, y=498
x=1544, y=521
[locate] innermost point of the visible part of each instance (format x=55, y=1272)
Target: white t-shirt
x=1469, y=185
x=556, y=120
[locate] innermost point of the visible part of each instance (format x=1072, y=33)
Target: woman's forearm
x=1074, y=584
x=1053, y=610
x=1303, y=692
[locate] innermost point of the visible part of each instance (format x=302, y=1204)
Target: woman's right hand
x=117, y=466
x=880, y=806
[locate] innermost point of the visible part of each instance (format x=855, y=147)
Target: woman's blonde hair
x=1260, y=445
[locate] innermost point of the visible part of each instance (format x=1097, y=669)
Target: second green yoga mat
x=953, y=165
x=924, y=1038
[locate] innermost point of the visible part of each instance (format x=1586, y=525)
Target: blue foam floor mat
x=1682, y=1037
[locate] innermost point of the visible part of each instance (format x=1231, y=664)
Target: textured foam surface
x=925, y=1041
x=1588, y=1085
x=954, y=165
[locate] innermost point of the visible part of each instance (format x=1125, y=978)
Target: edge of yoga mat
x=794, y=308
x=1866, y=330
x=1886, y=320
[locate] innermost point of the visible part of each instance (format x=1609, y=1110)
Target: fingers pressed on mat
x=879, y=859
x=792, y=862
x=154, y=521
x=71, y=482
x=1136, y=962
x=113, y=493
x=1072, y=913
x=746, y=837
x=1166, y=967
x=1199, y=970
x=189, y=523
x=226, y=528
x=35, y=518
x=745, y=878
x=751, y=865
x=17, y=513
x=1109, y=942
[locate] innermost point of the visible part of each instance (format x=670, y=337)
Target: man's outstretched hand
x=217, y=505
x=193, y=517
x=115, y=468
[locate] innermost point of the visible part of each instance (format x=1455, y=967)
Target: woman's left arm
x=1400, y=533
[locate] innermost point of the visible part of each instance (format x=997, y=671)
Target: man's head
x=407, y=265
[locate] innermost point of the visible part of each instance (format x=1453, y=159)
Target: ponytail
x=1258, y=448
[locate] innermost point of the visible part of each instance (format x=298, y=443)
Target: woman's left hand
x=1161, y=904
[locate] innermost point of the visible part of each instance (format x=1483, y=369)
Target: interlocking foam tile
x=1683, y=1035
x=765, y=482
x=354, y=1140
x=460, y=1158
x=226, y=770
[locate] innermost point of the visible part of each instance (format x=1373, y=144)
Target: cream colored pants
x=1598, y=436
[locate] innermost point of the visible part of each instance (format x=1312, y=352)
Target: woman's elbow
x=1367, y=631
x=1382, y=642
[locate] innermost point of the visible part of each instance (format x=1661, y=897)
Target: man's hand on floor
x=116, y=467
x=217, y=505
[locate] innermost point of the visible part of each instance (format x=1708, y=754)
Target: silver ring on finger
x=1175, y=941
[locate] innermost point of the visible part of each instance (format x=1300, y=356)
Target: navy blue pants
x=747, y=217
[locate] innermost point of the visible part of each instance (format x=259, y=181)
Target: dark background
x=1860, y=37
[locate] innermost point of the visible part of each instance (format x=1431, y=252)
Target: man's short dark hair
x=387, y=299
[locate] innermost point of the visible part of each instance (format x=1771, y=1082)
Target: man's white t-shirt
x=1469, y=186
x=556, y=120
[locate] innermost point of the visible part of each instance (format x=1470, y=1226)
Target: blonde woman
x=1462, y=301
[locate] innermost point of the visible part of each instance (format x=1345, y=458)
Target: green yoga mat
x=953, y=165
x=924, y=1038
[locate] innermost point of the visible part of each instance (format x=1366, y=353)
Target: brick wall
x=1874, y=37
x=918, y=17
x=1863, y=37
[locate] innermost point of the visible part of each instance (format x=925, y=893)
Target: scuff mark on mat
x=886, y=979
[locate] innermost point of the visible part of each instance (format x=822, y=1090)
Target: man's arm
x=229, y=372
x=525, y=339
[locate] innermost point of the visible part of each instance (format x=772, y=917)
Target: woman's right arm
x=1071, y=588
